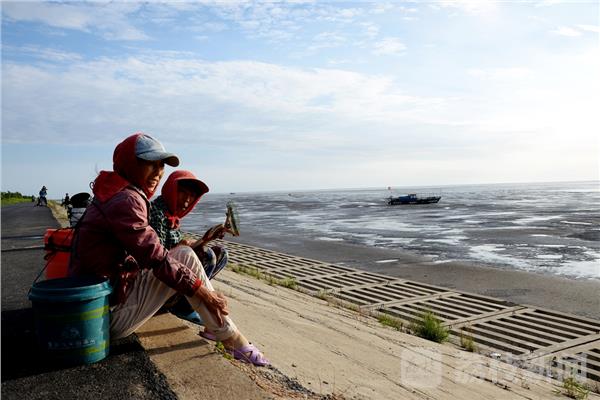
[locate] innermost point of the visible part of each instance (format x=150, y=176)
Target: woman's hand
x=216, y=232
x=215, y=302
x=185, y=242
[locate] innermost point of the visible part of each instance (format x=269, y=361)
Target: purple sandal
x=255, y=357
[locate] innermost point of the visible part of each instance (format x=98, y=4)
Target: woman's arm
x=127, y=214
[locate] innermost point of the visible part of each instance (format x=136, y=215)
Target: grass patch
x=241, y=269
x=430, y=327
x=220, y=348
x=59, y=213
x=8, y=198
x=574, y=389
x=322, y=294
x=392, y=322
x=14, y=200
x=467, y=342
x=289, y=283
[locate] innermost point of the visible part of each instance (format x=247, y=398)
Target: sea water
x=544, y=227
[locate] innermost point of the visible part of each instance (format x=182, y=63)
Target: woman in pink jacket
x=114, y=240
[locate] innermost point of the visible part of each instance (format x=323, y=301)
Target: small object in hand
x=232, y=219
x=231, y=226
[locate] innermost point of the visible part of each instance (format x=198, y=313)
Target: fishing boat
x=413, y=199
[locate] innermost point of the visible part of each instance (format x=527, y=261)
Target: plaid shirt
x=169, y=238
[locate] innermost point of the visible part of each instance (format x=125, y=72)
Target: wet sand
x=581, y=297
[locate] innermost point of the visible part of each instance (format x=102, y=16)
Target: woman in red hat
x=114, y=240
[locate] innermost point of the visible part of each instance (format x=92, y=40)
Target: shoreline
x=580, y=297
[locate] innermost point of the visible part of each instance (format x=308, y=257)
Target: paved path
x=168, y=361
x=127, y=373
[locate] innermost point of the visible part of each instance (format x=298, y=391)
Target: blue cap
x=148, y=148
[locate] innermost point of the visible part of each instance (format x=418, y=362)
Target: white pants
x=148, y=295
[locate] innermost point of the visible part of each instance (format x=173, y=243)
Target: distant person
x=42, y=198
x=114, y=240
x=179, y=195
x=66, y=201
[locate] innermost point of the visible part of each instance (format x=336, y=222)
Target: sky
x=303, y=95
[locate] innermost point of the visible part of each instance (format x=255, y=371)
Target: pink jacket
x=118, y=227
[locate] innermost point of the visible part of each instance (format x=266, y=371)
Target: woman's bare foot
x=243, y=350
x=237, y=341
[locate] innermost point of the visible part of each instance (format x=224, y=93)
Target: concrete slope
x=337, y=351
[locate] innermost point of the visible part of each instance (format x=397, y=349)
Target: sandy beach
x=581, y=297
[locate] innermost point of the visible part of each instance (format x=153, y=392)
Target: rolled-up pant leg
x=214, y=259
x=148, y=294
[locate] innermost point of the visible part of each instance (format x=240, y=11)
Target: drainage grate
x=549, y=340
x=254, y=257
x=582, y=360
x=450, y=307
x=530, y=332
x=289, y=264
x=309, y=271
x=381, y=294
x=330, y=282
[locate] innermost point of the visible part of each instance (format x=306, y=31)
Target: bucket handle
x=36, y=279
x=40, y=274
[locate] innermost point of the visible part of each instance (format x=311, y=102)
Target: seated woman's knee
x=187, y=256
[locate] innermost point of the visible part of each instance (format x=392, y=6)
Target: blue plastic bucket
x=72, y=319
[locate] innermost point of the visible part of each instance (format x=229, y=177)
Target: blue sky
x=303, y=95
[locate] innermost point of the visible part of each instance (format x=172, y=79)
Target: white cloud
x=260, y=105
x=182, y=95
x=566, y=31
x=381, y=7
x=389, y=46
x=589, y=28
x=552, y=112
x=61, y=16
x=326, y=40
x=547, y=3
x=111, y=21
x=371, y=30
x=49, y=54
x=278, y=21
x=499, y=73
x=473, y=7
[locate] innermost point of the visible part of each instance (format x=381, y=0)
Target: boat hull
x=402, y=200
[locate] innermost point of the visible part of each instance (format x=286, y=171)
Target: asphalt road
x=127, y=373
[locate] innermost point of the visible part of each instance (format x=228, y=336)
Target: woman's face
x=150, y=174
x=185, y=197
